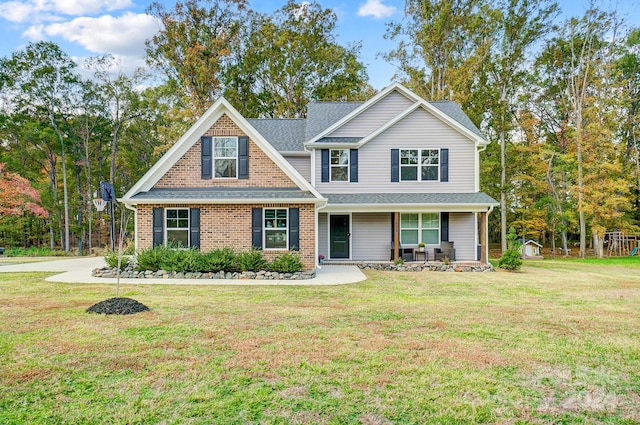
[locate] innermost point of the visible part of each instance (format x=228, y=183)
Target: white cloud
x=51, y=10
x=377, y=9
x=124, y=35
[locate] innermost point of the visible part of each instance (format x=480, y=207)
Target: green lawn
x=558, y=343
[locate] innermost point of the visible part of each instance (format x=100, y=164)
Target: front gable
x=183, y=165
x=261, y=170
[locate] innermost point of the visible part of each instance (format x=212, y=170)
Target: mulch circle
x=118, y=306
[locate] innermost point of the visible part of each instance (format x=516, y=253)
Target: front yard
x=557, y=343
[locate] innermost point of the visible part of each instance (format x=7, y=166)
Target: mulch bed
x=118, y=306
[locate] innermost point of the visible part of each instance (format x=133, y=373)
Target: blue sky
x=93, y=27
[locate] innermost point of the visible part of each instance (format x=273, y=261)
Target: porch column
x=483, y=238
x=396, y=235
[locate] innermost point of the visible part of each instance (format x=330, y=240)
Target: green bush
x=154, y=259
x=510, y=259
x=251, y=261
x=286, y=263
x=35, y=252
x=220, y=259
x=188, y=260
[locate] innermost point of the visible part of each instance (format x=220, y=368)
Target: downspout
x=135, y=224
x=316, y=227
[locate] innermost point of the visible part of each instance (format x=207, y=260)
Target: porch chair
x=446, y=250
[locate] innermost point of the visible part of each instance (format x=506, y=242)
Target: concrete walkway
x=78, y=270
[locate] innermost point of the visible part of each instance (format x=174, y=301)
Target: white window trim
x=264, y=230
x=214, y=157
x=420, y=228
x=167, y=228
x=348, y=165
x=419, y=164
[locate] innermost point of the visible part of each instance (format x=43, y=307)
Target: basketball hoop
x=100, y=204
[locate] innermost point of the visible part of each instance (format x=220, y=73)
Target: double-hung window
x=276, y=228
x=416, y=227
x=419, y=164
x=339, y=165
x=177, y=227
x=225, y=157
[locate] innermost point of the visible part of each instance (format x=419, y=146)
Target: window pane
x=183, y=213
x=178, y=238
x=172, y=214
x=408, y=173
x=275, y=239
x=339, y=174
x=225, y=147
x=430, y=236
x=409, y=221
x=225, y=167
x=429, y=173
x=339, y=157
x=430, y=221
x=409, y=236
x=430, y=157
x=408, y=156
x=269, y=213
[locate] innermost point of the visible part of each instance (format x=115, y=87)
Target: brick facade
x=263, y=172
x=230, y=226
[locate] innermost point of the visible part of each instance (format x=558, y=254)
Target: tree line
x=558, y=97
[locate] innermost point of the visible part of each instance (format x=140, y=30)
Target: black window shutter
x=444, y=226
x=205, y=157
x=256, y=228
x=324, y=156
x=194, y=228
x=294, y=229
x=395, y=165
x=353, y=165
x=243, y=157
x=158, y=226
x=444, y=165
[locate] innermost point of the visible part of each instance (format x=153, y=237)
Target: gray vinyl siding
x=302, y=164
x=323, y=235
x=371, y=236
x=374, y=117
x=463, y=233
x=419, y=129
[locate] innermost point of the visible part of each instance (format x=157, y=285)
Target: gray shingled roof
x=221, y=194
x=340, y=140
x=321, y=115
x=286, y=135
x=454, y=110
x=478, y=198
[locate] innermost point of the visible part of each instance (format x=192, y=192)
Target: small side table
x=420, y=255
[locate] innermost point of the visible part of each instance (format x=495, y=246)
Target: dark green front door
x=339, y=236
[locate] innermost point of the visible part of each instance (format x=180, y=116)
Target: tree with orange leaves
x=17, y=196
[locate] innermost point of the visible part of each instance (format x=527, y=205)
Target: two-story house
x=358, y=181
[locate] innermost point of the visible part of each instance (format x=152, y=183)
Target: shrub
x=188, y=260
x=251, y=261
x=286, y=263
x=220, y=259
x=510, y=259
x=154, y=259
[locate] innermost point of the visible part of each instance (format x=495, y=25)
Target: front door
x=339, y=236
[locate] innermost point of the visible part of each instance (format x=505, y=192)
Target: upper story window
x=419, y=164
x=225, y=157
x=177, y=227
x=339, y=165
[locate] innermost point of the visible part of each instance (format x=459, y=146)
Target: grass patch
x=556, y=343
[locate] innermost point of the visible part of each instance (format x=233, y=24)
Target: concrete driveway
x=78, y=270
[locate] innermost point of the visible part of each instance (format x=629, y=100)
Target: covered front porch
x=382, y=237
